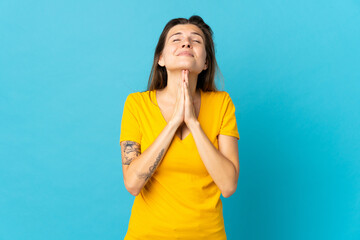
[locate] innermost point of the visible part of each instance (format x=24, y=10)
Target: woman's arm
x=138, y=168
x=222, y=164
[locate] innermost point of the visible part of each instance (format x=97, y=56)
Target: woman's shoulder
x=139, y=97
x=217, y=96
x=138, y=94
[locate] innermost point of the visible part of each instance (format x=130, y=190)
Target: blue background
x=291, y=68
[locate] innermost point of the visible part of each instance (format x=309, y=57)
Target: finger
x=182, y=78
x=183, y=100
x=182, y=91
x=187, y=84
x=186, y=76
x=183, y=75
x=186, y=91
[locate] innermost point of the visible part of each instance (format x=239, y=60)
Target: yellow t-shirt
x=180, y=200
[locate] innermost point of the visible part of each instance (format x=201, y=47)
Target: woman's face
x=184, y=49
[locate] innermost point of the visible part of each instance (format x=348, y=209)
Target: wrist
x=173, y=125
x=193, y=125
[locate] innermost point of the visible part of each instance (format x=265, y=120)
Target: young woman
x=179, y=140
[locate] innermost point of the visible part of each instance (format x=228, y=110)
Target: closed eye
x=179, y=40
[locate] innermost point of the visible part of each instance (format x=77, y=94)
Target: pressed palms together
x=184, y=110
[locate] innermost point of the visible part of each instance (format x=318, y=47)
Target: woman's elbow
x=131, y=189
x=228, y=192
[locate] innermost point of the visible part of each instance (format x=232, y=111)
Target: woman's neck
x=174, y=81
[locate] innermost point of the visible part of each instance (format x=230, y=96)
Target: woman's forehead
x=184, y=28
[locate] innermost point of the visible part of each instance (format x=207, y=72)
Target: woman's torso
x=180, y=200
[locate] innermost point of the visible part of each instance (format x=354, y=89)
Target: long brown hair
x=206, y=79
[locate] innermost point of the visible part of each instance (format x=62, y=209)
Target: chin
x=180, y=67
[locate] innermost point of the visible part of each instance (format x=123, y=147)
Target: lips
x=185, y=54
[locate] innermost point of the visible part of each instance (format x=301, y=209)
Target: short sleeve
x=228, y=123
x=130, y=127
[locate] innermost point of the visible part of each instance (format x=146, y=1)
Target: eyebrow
x=179, y=33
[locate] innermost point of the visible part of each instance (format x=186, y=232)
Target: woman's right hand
x=179, y=109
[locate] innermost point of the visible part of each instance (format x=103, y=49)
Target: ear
x=206, y=66
x=161, y=61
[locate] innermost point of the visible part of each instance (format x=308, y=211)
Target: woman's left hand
x=190, y=115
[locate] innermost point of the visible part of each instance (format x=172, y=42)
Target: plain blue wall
x=291, y=68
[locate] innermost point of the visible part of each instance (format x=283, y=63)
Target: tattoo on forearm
x=153, y=167
x=131, y=150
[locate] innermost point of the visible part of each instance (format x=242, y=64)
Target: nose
x=186, y=43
